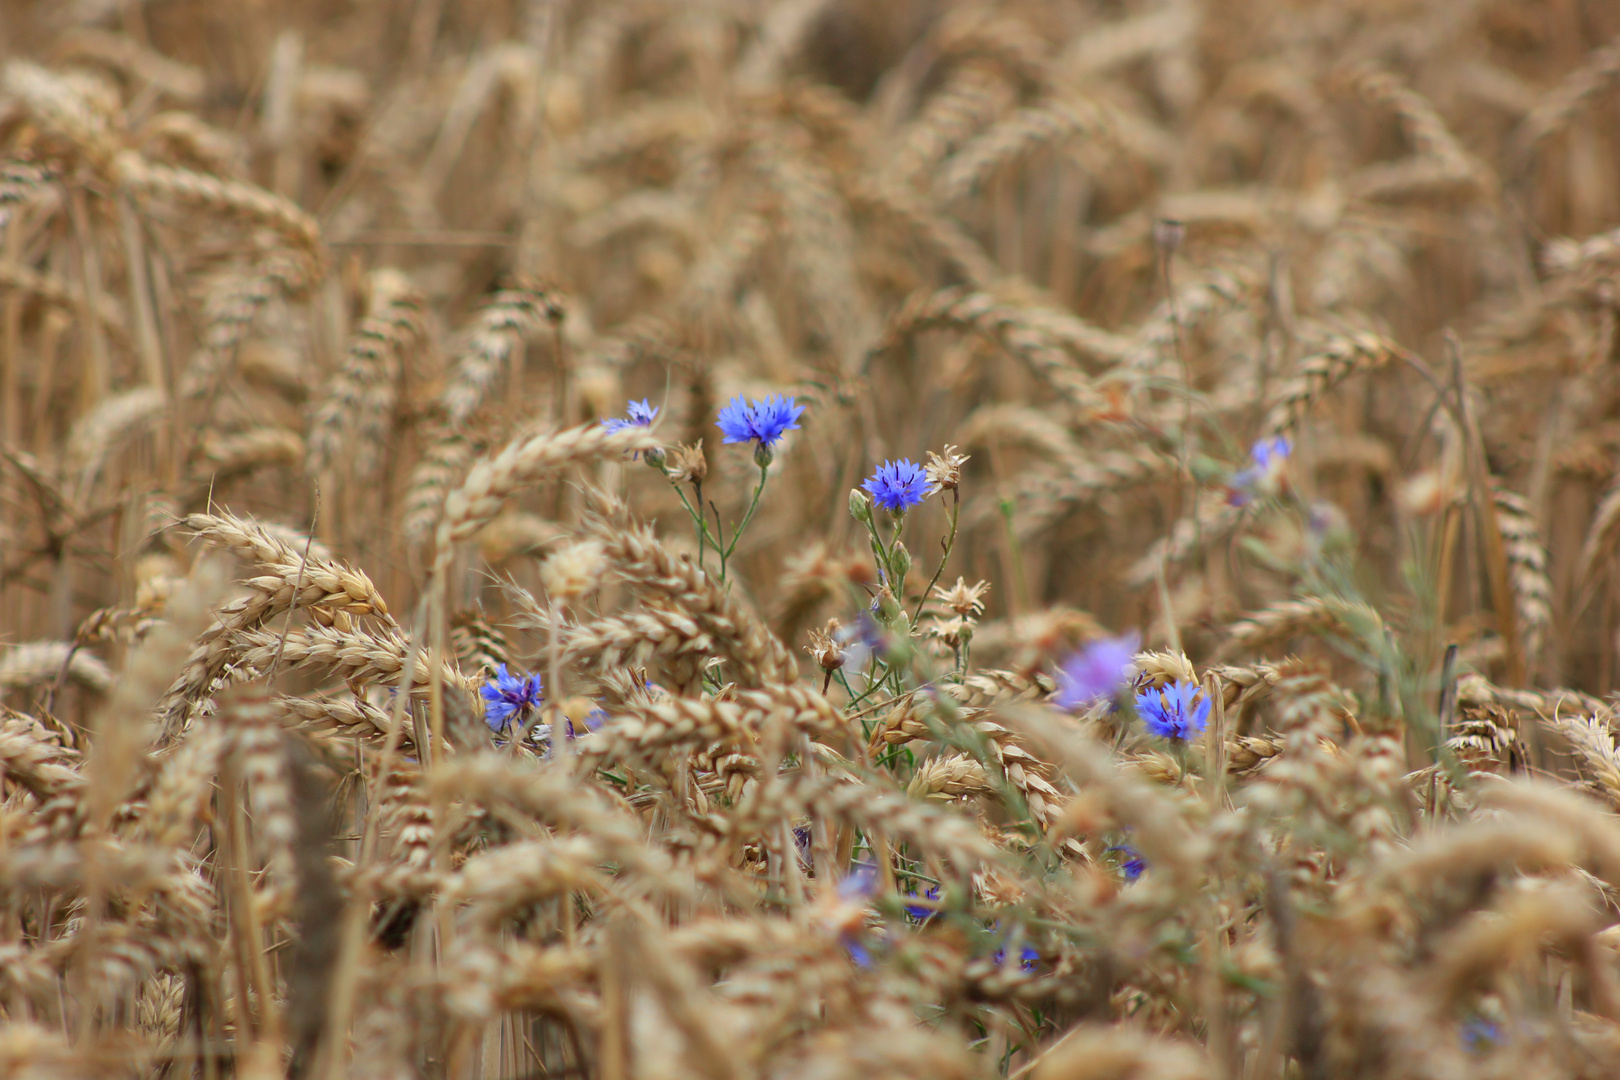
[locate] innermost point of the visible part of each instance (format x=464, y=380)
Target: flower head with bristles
x=1178, y=711
x=687, y=464
x=508, y=695
x=762, y=422
x=897, y=486
x=955, y=631
x=962, y=598
x=824, y=647
x=945, y=470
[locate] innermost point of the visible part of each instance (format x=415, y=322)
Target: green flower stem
x=872, y=685
x=699, y=523
x=725, y=553
x=950, y=542
x=880, y=553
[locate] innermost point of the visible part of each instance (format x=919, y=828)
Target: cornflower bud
x=900, y=561
x=885, y=606
x=860, y=506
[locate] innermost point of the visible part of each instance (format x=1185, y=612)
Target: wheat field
x=801, y=539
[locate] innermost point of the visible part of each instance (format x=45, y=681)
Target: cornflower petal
x=507, y=695
x=897, y=486
x=1171, y=713
x=640, y=414
x=1096, y=671
x=1266, y=460
x=759, y=421
x=920, y=912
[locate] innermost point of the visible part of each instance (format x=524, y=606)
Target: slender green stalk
x=700, y=525
x=736, y=535
x=950, y=543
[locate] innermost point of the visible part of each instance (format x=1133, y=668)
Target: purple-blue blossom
x=1132, y=864
x=1096, y=671
x=1266, y=460
x=1178, y=711
x=1480, y=1034
x=857, y=887
x=1028, y=958
x=759, y=421
x=507, y=694
x=860, y=883
x=639, y=414
x=861, y=641
x=924, y=912
x=897, y=486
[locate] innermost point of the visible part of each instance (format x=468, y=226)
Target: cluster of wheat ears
x=1070, y=539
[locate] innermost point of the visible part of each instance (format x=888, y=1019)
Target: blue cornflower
x=1028, y=957
x=1133, y=863
x=1480, y=1034
x=856, y=888
x=860, y=883
x=923, y=913
x=897, y=486
x=760, y=421
x=1267, y=459
x=641, y=414
x=1172, y=713
x=507, y=694
x=1096, y=671
x=861, y=641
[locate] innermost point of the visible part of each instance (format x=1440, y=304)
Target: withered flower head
x=945, y=470
x=962, y=598
x=824, y=647
x=955, y=631
x=687, y=464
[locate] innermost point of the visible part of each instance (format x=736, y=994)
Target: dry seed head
x=687, y=465
x=944, y=471
x=824, y=647
x=956, y=631
x=962, y=598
